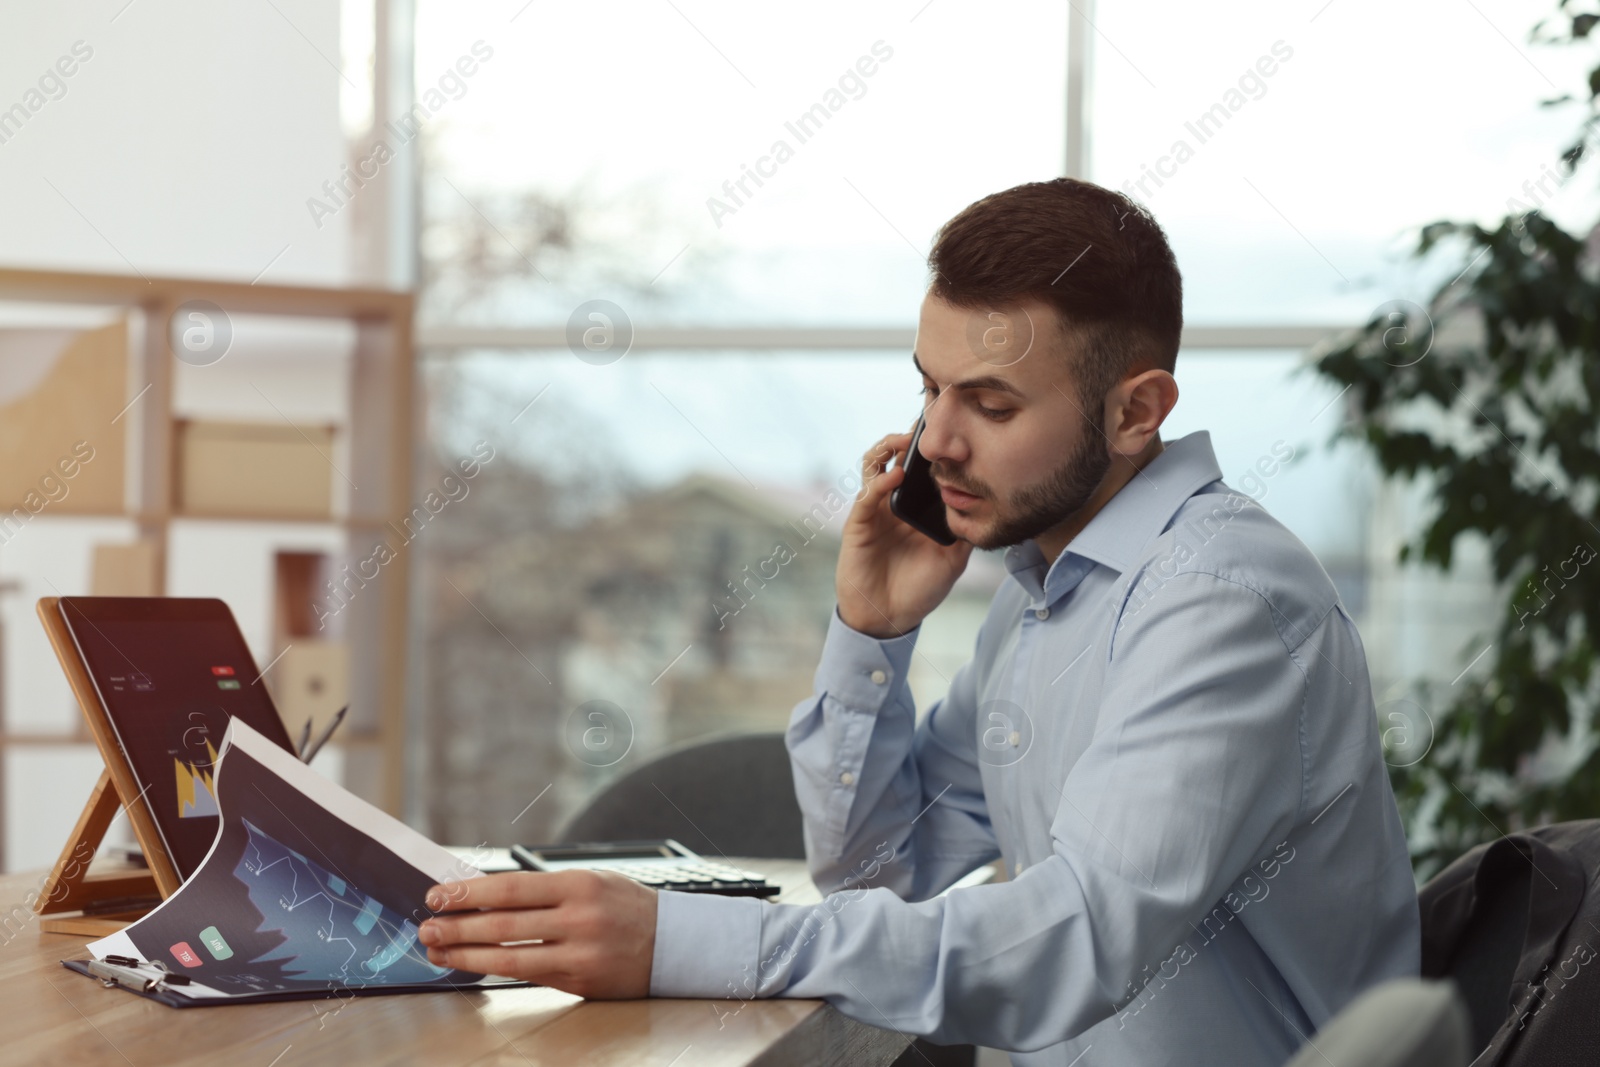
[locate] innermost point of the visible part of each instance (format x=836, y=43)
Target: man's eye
x=993, y=413
x=927, y=390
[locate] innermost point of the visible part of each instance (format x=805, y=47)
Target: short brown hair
x=1094, y=255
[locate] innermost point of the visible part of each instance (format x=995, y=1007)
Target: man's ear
x=1136, y=408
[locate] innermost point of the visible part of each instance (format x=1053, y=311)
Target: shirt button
x=878, y=677
x=1016, y=738
x=1042, y=614
x=847, y=778
x=1017, y=869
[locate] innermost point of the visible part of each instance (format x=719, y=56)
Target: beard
x=1033, y=509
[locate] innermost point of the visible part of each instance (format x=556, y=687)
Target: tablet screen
x=170, y=673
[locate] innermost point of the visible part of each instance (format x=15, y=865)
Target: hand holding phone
x=916, y=500
x=892, y=574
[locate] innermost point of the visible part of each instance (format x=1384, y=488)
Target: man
x=1166, y=732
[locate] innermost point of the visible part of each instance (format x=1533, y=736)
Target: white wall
x=186, y=143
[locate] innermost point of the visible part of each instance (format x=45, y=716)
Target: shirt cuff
x=860, y=671
x=706, y=945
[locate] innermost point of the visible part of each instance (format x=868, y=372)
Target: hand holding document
x=308, y=891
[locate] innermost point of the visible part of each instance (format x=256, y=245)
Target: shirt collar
x=1119, y=531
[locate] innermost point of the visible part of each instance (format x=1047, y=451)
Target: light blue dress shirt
x=1167, y=736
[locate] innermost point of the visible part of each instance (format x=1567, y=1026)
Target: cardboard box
x=260, y=470
x=124, y=570
x=62, y=395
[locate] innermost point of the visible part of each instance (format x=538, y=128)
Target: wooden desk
x=52, y=1015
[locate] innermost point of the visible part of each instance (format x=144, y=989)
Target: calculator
x=663, y=864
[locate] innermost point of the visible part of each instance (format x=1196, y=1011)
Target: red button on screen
x=222, y=672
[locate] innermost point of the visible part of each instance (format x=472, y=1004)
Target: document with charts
x=308, y=890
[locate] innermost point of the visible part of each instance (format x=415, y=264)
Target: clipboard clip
x=125, y=971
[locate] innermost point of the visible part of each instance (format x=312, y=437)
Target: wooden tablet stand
x=102, y=901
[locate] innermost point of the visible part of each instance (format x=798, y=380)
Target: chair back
x=1401, y=1023
x=729, y=796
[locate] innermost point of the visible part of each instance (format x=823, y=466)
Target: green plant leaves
x=1496, y=419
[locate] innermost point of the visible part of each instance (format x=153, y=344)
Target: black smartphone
x=916, y=500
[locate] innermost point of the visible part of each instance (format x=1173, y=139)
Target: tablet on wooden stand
x=157, y=679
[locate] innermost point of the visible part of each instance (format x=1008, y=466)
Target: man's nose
x=940, y=439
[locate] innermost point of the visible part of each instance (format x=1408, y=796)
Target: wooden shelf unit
x=379, y=424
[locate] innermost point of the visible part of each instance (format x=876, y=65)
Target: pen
x=322, y=739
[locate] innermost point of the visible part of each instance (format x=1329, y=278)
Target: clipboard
x=103, y=902
x=172, y=996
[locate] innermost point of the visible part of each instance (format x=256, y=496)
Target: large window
x=723, y=170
